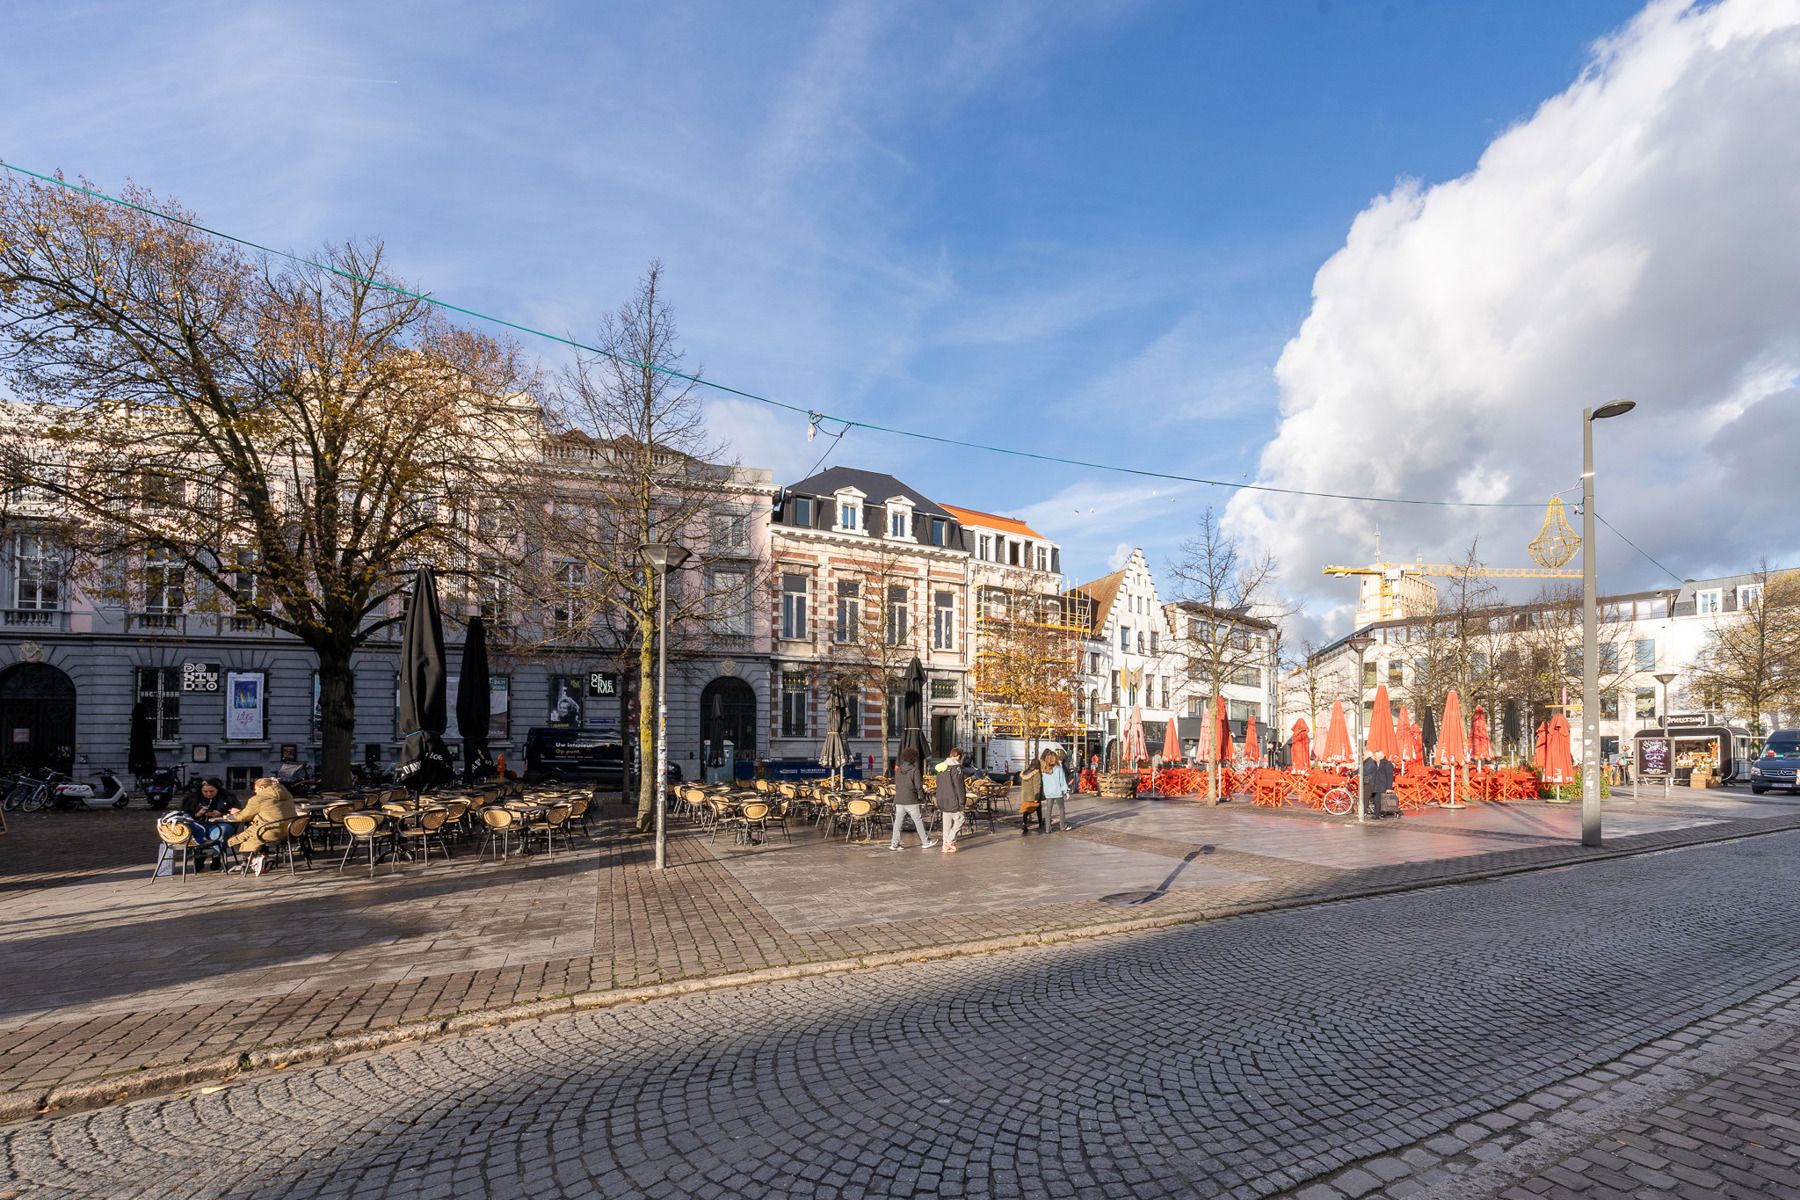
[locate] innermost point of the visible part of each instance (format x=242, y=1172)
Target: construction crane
x=1401, y=589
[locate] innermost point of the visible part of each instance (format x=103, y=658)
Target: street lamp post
x=1590, y=626
x=1360, y=642
x=662, y=557
x=1666, y=678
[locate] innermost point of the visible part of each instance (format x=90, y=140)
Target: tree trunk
x=646, y=731
x=337, y=715
x=887, y=762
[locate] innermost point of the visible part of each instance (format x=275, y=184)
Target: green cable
x=813, y=416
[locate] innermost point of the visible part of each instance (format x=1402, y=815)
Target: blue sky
x=1086, y=229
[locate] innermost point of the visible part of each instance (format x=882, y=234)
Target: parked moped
x=104, y=791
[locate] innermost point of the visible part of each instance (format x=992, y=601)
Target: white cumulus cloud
x=1636, y=237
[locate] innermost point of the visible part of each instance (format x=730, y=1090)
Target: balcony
x=41, y=620
x=156, y=622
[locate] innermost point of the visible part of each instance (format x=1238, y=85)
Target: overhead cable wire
x=1638, y=548
x=813, y=416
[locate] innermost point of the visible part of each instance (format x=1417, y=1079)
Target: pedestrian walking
x=909, y=799
x=1056, y=791
x=950, y=796
x=1031, y=799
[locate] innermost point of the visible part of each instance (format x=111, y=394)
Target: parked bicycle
x=31, y=791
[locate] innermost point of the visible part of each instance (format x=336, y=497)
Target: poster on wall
x=566, y=709
x=244, y=700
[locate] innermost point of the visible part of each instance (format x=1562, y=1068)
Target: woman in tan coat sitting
x=269, y=802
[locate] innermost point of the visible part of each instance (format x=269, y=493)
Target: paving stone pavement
x=126, y=974
x=1281, y=1052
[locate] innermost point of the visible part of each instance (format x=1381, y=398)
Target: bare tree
x=633, y=466
x=876, y=625
x=1539, y=658
x=1458, y=647
x=1321, y=680
x=270, y=439
x=1750, y=664
x=1218, y=581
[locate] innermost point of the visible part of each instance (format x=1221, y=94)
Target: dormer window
x=801, y=510
x=900, y=519
x=850, y=511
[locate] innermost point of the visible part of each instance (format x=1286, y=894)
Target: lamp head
x=1359, y=642
x=1612, y=408
x=663, y=556
x=1664, y=677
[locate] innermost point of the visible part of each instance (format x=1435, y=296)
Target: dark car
x=573, y=754
x=1775, y=767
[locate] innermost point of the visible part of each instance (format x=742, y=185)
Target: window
x=984, y=547
x=37, y=574
x=1710, y=601
x=1646, y=703
x=1195, y=704
x=1140, y=641
x=1125, y=637
x=1749, y=596
x=849, y=515
x=1572, y=660
x=246, y=581
x=1368, y=673
x=730, y=531
x=1246, y=677
x=165, y=580
x=728, y=602
x=900, y=523
x=1242, y=710
x=1153, y=641
x=160, y=688
x=849, y=611
x=1396, y=675
x=800, y=511
x=940, y=531
x=566, y=611
x=943, y=621
x=793, y=606
x=1043, y=559
x=943, y=689
x=793, y=704
x=1609, y=657
x=490, y=591
x=1115, y=689
x=853, y=712
x=1609, y=706
x=897, y=618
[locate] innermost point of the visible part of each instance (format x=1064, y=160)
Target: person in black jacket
x=909, y=799
x=1377, y=781
x=951, y=793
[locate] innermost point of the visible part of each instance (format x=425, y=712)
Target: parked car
x=1778, y=763
x=573, y=754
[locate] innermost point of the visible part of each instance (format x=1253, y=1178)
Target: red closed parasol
x=1131, y=741
x=1559, y=761
x=1252, y=751
x=1171, y=747
x=1381, y=727
x=1227, y=750
x=1403, y=734
x=1337, y=737
x=1481, y=746
x=1452, y=750
x=1299, y=747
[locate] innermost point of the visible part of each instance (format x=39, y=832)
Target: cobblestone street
x=1572, y=1029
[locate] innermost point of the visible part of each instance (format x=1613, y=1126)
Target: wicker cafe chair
x=859, y=813
x=553, y=824
x=283, y=838
x=501, y=823
x=365, y=828
x=422, y=828
x=578, y=811
x=178, y=844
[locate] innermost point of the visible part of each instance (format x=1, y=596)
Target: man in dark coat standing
x=1377, y=781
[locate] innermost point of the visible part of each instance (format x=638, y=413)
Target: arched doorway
x=728, y=705
x=37, y=718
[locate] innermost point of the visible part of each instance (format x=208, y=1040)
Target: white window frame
x=1749, y=595
x=846, y=629
x=793, y=607
x=943, y=621
x=37, y=574
x=1709, y=602
x=850, y=505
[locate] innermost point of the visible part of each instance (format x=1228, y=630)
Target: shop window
x=793, y=607
x=793, y=704
x=160, y=688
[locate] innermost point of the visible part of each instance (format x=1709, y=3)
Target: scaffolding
x=1028, y=661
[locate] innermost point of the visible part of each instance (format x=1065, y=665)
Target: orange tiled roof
x=974, y=516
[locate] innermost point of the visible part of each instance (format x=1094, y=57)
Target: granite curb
x=173, y=1078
